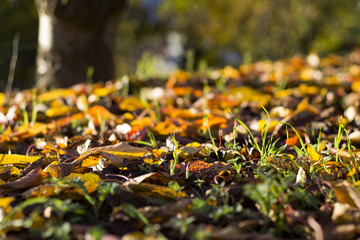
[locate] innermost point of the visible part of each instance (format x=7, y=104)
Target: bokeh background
x=156, y=37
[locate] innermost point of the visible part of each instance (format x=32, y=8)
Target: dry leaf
x=122, y=150
x=16, y=159
x=314, y=155
x=345, y=154
x=346, y=193
x=154, y=191
x=33, y=178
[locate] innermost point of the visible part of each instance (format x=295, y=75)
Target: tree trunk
x=74, y=36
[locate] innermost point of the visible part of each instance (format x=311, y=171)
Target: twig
x=14, y=56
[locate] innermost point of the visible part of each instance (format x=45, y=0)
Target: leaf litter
x=269, y=150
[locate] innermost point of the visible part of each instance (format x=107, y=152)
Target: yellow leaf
x=2, y=98
x=64, y=190
x=152, y=161
x=145, y=122
x=309, y=90
x=355, y=86
x=17, y=159
x=90, y=180
x=305, y=106
x=249, y=94
x=230, y=72
x=262, y=125
x=314, y=155
x=5, y=203
x=164, y=128
x=54, y=94
x=283, y=93
x=155, y=191
x=14, y=171
x=159, y=153
x=90, y=161
x=131, y=104
x=102, y=92
x=27, y=131
x=58, y=111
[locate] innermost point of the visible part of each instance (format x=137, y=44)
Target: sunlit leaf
x=345, y=154
x=314, y=155
x=56, y=93
x=164, y=128
x=155, y=191
x=346, y=193
x=131, y=104
x=99, y=113
x=58, y=111
x=249, y=94
x=16, y=159
x=27, y=131
x=103, y=91
x=121, y=149
x=305, y=106
x=2, y=98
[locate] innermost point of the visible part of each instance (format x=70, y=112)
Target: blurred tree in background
x=157, y=36
x=18, y=16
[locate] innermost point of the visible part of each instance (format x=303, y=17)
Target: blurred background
x=155, y=37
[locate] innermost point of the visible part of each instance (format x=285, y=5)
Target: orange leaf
x=292, y=140
x=346, y=193
x=67, y=120
x=27, y=131
x=99, y=113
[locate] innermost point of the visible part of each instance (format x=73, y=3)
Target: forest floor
x=264, y=151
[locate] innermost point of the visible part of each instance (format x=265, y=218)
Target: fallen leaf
x=314, y=155
x=17, y=159
x=122, y=150
x=154, y=191
x=346, y=193
x=33, y=178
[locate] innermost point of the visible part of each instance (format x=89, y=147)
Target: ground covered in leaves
x=264, y=151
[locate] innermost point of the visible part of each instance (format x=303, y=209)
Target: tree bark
x=74, y=36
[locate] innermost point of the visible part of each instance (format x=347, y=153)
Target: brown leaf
x=62, y=169
x=121, y=149
x=33, y=178
x=345, y=154
x=152, y=178
x=115, y=160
